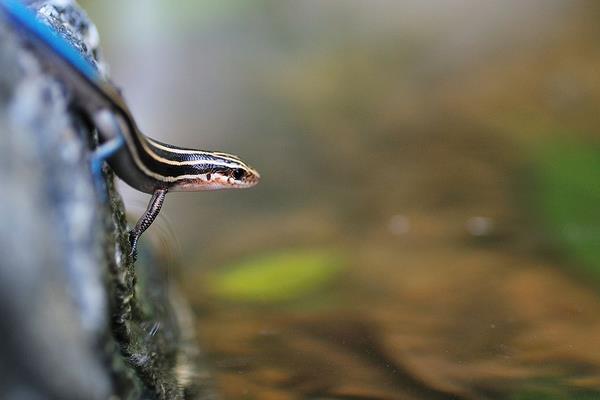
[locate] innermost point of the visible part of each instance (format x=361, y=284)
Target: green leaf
x=278, y=277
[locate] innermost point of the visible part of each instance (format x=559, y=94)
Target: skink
x=143, y=163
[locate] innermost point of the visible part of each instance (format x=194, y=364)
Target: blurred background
x=428, y=223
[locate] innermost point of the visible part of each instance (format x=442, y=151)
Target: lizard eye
x=239, y=174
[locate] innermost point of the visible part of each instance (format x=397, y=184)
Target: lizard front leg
x=146, y=219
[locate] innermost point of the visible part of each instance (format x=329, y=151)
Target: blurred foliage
x=192, y=13
x=357, y=112
x=568, y=193
x=184, y=16
x=277, y=277
x=554, y=394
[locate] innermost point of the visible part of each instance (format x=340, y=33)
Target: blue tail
x=25, y=20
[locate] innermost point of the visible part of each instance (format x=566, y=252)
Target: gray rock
x=77, y=322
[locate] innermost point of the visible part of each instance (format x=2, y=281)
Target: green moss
x=282, y=276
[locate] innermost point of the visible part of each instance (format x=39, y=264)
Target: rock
x=78, y=321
